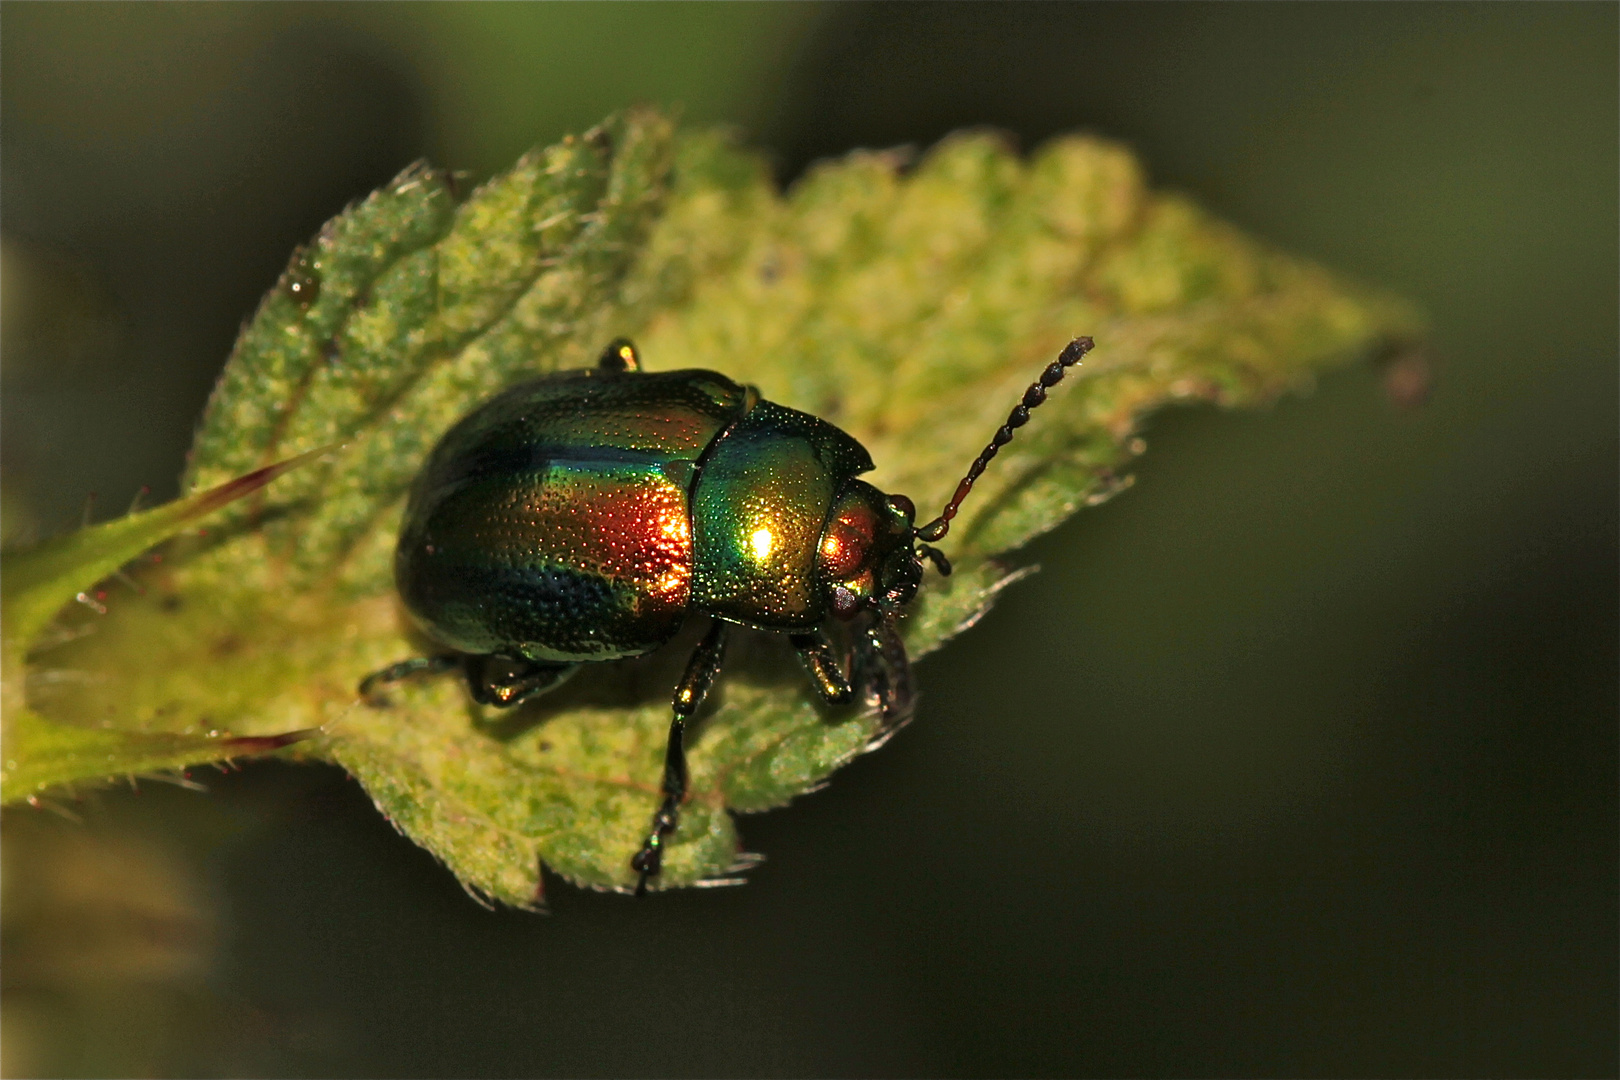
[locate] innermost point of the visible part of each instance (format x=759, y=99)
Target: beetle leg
x=937, y=557
x=883, y=673
x=689, y=694
x=620, y=355
x=505, y=681
x=816, y=654
x=416, y=665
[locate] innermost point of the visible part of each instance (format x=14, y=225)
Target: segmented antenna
x=1070, y=356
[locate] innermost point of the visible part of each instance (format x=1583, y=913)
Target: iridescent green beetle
x=582, y=516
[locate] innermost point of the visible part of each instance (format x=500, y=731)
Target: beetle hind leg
x=689, y=694
x=505, y=681
x=405, y=669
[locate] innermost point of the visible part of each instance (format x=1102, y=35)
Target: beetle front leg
x=816, y=655
x=882, y=671
x=689, y=694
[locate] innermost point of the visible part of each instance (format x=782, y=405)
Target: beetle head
x=869, y=557
x=872, y=551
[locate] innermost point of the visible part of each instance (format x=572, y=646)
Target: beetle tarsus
x=689, y=694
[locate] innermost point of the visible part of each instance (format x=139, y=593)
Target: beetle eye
x=903, y=506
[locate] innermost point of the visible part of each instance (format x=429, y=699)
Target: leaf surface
x=36, y=583
x=910, y=306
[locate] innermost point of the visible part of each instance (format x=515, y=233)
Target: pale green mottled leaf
x=909, y=307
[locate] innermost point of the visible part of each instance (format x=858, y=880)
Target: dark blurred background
x=1298, y=759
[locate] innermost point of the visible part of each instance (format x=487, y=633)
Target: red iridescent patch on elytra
x=630, y=528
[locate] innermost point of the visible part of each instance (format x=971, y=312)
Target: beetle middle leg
x=689, y=694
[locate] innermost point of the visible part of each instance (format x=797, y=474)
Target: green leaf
x=42, y=755
x=910, y=307
x=36, y=582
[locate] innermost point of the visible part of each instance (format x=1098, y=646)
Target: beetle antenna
x=1070, y=356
